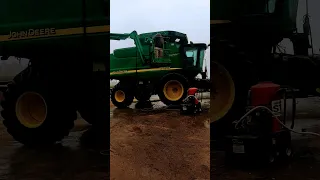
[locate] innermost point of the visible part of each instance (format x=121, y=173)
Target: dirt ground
x=64, y=161
x=159, y=145
x=305, y=164
x=156, y=145
x=149, y=145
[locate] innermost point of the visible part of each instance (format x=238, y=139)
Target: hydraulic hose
x=270, y=111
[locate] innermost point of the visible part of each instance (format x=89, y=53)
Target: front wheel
x=33, y=117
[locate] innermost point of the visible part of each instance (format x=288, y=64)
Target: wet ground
x=159, y=145
x=305, y=164
x=67, y=160
x=64, y=161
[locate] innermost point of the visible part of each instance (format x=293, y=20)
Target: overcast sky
x=187, y=16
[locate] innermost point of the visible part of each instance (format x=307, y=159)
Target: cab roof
x=172, y=35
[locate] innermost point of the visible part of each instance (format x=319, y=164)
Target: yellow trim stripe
x=219, y=21
x=143, y=70
x=63, y=32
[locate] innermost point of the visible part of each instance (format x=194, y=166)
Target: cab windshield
x=192, y=54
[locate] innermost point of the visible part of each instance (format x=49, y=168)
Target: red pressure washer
x=261, y=133
x=191, y=104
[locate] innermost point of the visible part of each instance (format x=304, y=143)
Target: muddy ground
x=155, y=145
x=64, y=161
x=305, y=164
x=158, y=144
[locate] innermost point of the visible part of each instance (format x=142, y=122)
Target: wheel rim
x=31, y=109
x=173, y=90
x=120, y=96
x=223, y=93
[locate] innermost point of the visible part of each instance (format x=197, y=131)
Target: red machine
x=191, y=104
x=269, y=95
x=261, y=133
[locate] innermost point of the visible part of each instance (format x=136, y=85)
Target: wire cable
x=242, y=119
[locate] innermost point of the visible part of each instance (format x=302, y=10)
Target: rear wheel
x=224, y=91
x=122, y=96
x=173, y=89
x=33, y=117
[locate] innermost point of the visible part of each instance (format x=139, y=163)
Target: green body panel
x=127, y=59
x=232, y=9
x=147, y=73
x=235, y=9
x=129, y=52
x=33, y=18
x=131, y=63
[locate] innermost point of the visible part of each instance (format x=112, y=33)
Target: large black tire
x=233, y=62
x=126, y=93
x=177, y=80
x=59, y=119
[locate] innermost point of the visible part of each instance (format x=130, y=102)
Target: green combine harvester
x=67, y=42
x=245, y=37
x=161, y=63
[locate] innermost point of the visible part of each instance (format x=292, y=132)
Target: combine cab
x=162, y=63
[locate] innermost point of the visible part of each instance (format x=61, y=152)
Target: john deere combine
x=245, y=37
x=66, y=41
x=161, y=63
